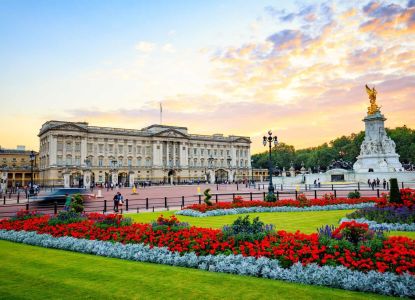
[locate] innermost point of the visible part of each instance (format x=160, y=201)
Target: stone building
x=15, y=167
x=77, y=154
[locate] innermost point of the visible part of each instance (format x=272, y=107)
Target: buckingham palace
x=77, y=154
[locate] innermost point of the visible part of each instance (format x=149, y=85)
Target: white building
x=74, y=154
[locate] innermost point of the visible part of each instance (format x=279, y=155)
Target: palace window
x=101, y=148
x=68, y=146
x=77, y=146
x=130, y=162
x=100, y=162
x=130, y=149
x=89, y=147
x=138, y=161
x=60, y=146
x=110, y=148
x=59, y=160
x=120, y=149
x=77, y=161
x=69, y=160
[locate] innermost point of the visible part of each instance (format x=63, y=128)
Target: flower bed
x=260, y=209
x=325, y=201
x=383, y=226
x=388, y=215
x=350, y=248
x=336, y=277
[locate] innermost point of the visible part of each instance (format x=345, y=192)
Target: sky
x=297, y=68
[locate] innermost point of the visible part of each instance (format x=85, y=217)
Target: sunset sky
x=233, y=67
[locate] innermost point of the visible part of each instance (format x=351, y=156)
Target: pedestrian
x=68, y=201
x=384, y=183
x=369, y=183
x=315, y=182
x=120, y=201
x=373, y=184
x=112, y=186
x=377, y=181
x=116, y=202
x=318, y=183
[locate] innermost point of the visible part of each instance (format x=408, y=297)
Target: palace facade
x=77, y=154
x=16, y=167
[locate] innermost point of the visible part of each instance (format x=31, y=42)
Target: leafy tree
x=345, y=147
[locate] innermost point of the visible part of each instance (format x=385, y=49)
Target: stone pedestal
x=377, y=152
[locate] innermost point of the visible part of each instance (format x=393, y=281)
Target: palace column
x=174, y=154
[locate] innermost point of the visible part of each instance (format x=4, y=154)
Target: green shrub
x=66, y=217
x=207, y=197
x=77, y=204
x=354, y=195
x=270, y=198
x=243, y=230
x=394, y=195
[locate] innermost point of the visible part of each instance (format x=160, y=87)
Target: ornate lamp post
x=252, y=171
x=32, y=160
x=270, y=139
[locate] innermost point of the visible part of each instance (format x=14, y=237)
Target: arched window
x=68, y=159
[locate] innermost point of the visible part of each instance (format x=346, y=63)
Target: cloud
x=288, y=38
x=145, y=47
x=169, y=48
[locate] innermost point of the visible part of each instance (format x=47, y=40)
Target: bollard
x=4, y=200
x=335, y=194
x=105, y=206
x=250, y=196
x=216, y=198
x=126, y=204
x=165, y=202
x=147, y=203
x=305, y=186
x=182, y=201
x=153, y=208
x=278, y=195
x=402, y=184
x=358, y=186
x=387, y=186
x=200, y=199
x=237, y=186
x=296, y=194
x=377, y=192
x=18, y=197
x=264, y=195
x=259, y=187
x=233, y=196
x=281, y=187
x=315, y=194
x=332, y=187
x=55, y=207
x=27, y=206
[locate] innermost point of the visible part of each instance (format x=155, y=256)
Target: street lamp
x=270, y=139
x=32, y=159
x=252, y=171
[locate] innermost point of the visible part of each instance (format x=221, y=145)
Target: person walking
x=377, y=182
x=116, y=202
x=68, y=201
x=369, y=183
x=120, y=201
x=384, y=183
x=373, y=184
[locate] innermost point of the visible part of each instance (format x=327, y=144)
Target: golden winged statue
x=373, y=108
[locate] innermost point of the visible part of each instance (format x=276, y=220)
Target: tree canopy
x=345, y=147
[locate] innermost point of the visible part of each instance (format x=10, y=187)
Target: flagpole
x=161, y=114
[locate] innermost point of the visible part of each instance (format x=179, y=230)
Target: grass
x=306, y=222
x=28, y=272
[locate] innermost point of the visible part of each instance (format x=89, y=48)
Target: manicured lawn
x=28, y=272
x=306, y=222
